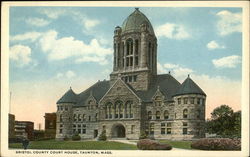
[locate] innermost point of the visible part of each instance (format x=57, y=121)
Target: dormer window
x=158, y=101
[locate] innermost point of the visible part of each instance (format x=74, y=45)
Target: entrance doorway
x=118, y=131
x=95, y=133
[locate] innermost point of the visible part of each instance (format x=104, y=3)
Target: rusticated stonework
x=135, y=100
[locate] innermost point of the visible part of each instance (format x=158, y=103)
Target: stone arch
x=118, y=131
x=166, y=114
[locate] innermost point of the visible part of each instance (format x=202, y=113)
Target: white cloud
x=52, y=13
x=177, y=70
x=227, y=62
x=33, y=36
x=229, y=22
x=88, y=23
x=39, y=22
x=161, y=69
x=69, y=74
x=21, y=54
x=62, y=48
x=212, y=45
x=172, y=31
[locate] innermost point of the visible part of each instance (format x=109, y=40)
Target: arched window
x=110, y=108
x=166, y=115
x=149, y=54
x=185, y=113
x=129, y=53
x=118, y=110
x=61, y=119
x=128, y=109
x=149, y=115
x=158, y=115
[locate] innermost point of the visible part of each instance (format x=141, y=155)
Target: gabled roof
x=68, y=97
x=189, y=87
x=97, y=91
x=168, y=86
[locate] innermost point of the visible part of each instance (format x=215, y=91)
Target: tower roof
x=133, y=22
x=189, y=87
x=68, y=97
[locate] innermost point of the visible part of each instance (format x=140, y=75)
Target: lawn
x=178, y=144
x=77, y=145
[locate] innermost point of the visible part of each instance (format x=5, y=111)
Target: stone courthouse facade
x=135, y=99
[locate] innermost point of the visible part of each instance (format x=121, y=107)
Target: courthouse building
x=135, y=99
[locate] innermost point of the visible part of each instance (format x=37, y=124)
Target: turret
x=190, y=108
x=64, y=114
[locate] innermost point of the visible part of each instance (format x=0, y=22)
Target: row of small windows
x=191, y=100
x=62, y=108
x=166, y=129
x=80, y=118
x=118, y=110
x=167, y=116
x=132, y=78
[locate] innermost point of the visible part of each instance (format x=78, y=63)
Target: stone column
x=125, y=53
x=134, y=53
x=117, y=55
x=143, y=60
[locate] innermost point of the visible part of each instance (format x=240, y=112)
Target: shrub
x=66, y=138
x=76, y=137
x=147, y=144
x=102, y=136
x=217, y=144
x=143, y=135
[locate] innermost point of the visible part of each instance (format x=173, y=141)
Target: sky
x=54, y=48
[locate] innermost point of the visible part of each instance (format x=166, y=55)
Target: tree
x=224, y=122
x=222, y=111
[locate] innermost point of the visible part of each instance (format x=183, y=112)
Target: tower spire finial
x=188, y=75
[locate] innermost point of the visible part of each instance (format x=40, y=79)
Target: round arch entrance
x=118, y=131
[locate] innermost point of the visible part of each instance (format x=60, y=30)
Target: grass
x=178, y=144
x=76, y=145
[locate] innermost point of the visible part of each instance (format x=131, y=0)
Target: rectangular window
x=185, y=100
x=127, y=61
x=116, y=115
x=162, y=131
x=179, y=100
x=61, y=125
x=83, y=128
x=126, y=79
x=151, y=129
x=135, y=78
x=192, y=100
x=79, y=125
x=168, y=130
x=79, y=131
x=75, y=118
x=66, y=108
x=89, y=118
x=203, y=101
x=130, y=79
x=136, y=60
x=60, y=131
x=169, y=124
x=198, y=101
x=184, y=131
x=162, y=124
x=83, y=131
x=185, y=124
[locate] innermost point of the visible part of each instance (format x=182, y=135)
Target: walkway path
x=135, y=143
